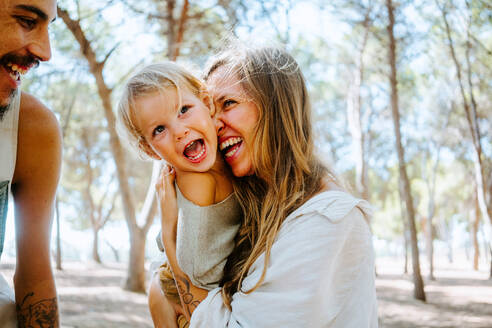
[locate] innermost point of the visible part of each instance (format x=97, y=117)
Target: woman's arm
x=189, y=294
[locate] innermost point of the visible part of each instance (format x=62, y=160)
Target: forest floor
x=457, y=298
x=91, y=296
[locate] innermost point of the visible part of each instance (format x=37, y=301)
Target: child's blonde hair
x=154, y=78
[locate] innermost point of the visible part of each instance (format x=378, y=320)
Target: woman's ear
x=207, y=100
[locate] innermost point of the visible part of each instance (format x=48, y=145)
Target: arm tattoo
x=186, y=295
x=42, y=314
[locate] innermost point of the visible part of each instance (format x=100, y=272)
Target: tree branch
x=142, y=12
x=103, y=62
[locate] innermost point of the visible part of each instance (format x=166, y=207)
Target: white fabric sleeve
x=321, y=274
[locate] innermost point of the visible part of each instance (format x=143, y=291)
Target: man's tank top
x=8, y=154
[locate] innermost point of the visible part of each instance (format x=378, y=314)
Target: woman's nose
x=219, y=124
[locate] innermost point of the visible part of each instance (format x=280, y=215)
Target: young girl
x=165, y=113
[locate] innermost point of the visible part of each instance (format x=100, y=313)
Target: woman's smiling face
x=236, y=120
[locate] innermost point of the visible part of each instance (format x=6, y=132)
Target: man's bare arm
x=34, y=186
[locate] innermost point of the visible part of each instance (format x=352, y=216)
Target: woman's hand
x=166, y=196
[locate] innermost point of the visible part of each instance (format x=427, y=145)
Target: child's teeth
x=199, y=155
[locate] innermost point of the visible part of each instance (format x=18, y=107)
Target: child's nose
x=181, y=132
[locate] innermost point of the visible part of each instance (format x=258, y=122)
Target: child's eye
x=158, y=130
x=184, y=109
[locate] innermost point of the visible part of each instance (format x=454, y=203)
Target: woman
x=303, y=254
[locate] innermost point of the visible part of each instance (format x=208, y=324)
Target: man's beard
x=25, y=61
x=5, y=108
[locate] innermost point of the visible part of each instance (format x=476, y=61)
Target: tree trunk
x=135, y=280
x=449, y=242
x=58, y=236
x=417, y=277
x=429, y=247
x=354, y=115
x=64, y=130
x=95, y=246
x=472, y=120
x=170, y=35
x=405, y=230
x=490, y=273
x=136, y=270
x=405, y=235
x=114, y=250
x=431, y=211
x=181, y=29
x=474, y=233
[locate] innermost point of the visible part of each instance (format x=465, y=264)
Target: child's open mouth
x=195, y=151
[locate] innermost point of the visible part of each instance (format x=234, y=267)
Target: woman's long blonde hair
x=287, y=172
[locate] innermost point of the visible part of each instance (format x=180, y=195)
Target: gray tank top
x=205, y=238
x=8, y=154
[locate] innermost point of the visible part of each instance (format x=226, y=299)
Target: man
x=30, y=157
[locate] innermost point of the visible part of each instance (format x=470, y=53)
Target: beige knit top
x=205, y=238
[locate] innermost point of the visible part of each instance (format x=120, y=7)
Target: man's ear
x=207, y=100
x=145, y=147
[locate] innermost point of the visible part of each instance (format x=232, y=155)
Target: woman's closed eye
x=158, y=130
x=228, y=103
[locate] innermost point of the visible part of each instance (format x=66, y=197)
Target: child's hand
x=166, y=195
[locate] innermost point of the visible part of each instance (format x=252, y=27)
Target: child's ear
x=207, y=100
x=144, y=145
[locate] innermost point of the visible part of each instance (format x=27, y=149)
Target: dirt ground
x=457, y=298
x=91, y=296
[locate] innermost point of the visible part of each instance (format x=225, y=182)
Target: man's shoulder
x=39, y=139
x=34, y=113
x=38, y=126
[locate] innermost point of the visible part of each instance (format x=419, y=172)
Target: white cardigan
x=321, y=273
